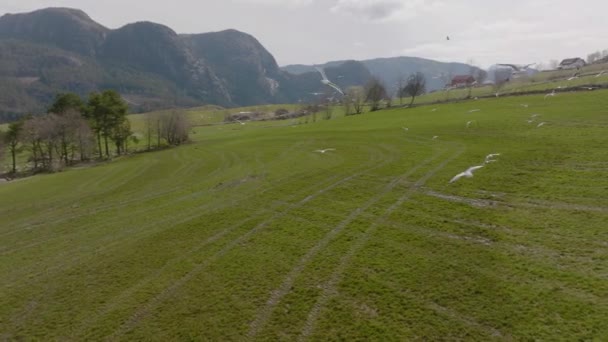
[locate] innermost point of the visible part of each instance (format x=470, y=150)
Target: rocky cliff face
x=55, y=50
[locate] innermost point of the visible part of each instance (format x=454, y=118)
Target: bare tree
x=416, y=86
x=375, y=92
x=86, y=140
x=174, y=127
x=592, y=57
x=347, y=103
x=356, y=96
x=498, y=85
x=2, y=139
x=388, y=101
x=13, y=141
x=553, y=64
x=41, y=133
x=149, y=129
x=401, y=82
x=121, y=134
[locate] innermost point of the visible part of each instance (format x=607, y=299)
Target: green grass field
x=247, y=234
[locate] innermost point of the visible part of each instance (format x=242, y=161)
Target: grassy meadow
x=248, y=234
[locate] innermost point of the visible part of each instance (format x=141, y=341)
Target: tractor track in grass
x=109, y=175
x=330, y=288
x=529, y=204
x=265, y=313
x=144, y=310
x=117, y=239
x=114, y=205
x=114, y=302
x=190, y=214
x=121, y=204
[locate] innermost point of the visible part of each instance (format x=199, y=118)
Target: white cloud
x=385, y=9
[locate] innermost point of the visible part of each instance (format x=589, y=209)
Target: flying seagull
x=327, y=82
x=468, y=173
x=434, y=110
x=435, y=137
x=525, y=105
x=325, y=150
x=601, y=73
x=474, y=110
x=239, y=121
x=541, y=124
x=490, y=157
x=550, y=94
x=534, y=116
x=531, y=121
x=405, y=129
x=469, y=123
x=572, y=78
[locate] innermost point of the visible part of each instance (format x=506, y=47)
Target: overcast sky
x=316, y=31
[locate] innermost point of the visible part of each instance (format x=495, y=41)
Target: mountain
x=306, y=86
x=249, y=70
x=65, y=28
x=389, y=70
x=54, y=50
x=153, y=48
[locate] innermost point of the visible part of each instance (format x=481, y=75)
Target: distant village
x=502, y=73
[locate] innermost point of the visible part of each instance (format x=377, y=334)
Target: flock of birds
x=490, y=158
x=468, y=173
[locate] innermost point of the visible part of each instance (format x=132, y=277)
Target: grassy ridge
x=247, y=233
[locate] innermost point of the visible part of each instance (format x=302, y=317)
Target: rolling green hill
x=248, y=233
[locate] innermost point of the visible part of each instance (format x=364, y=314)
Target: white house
x=572, y=63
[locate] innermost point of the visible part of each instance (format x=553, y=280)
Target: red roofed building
x=462, y=81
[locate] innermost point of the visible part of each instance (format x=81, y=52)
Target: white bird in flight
x=525, y=105
x=601, y=73
x=405, y=129
x=534, y=116
x=434, y=110
x=541, y=124
x=325, y=150
x=490, y=157
x=327, y=82
x=550, y=94
x=469, y=123
x=239, y=121
x=572, y=78
x=468, y=173
x=474, y=110
x=435, y=137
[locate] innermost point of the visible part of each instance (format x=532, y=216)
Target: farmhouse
x=462, y=81
x=572, y=63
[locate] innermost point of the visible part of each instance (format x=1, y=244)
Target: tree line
x=375, y=93
x=74, y=131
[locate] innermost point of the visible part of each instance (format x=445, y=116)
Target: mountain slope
x=68, y=29
x=55, y=50
x=389, y=70
x=249, y=70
